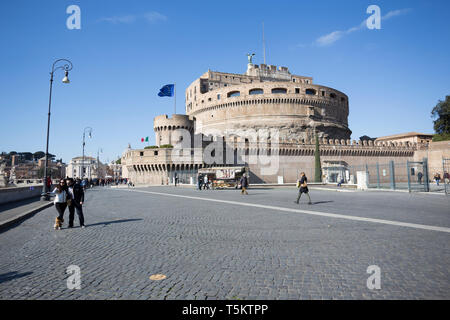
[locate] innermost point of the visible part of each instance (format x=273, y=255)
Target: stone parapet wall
x=19, y=193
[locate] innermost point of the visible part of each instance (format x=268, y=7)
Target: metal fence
x=413, y=176
x=184, y=176
x=446, y=175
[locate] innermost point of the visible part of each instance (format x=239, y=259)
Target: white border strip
x=315, y=213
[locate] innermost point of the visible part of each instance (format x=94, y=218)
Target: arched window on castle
x=310, y=91
x=332, y=96
x=279, y=90
x=256, y=91
x=233, y=94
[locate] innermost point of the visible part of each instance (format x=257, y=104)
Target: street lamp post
x=66, y=66
x=90, y=136
x=99, y=150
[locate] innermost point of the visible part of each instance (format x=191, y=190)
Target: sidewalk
x=14, y=212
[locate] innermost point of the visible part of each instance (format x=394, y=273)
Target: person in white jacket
x=60, y=202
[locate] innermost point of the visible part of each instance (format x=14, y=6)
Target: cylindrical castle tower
x=267, y=97
x=165, y=126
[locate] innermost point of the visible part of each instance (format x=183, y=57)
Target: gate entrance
x=418, y=176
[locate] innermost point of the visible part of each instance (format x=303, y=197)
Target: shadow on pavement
x=12, y=275
x=110, y=222
x=19, y=203
x=319, y=202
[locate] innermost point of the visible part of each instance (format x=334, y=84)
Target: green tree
x=441, y=114
x=38, y=154
x=27, y=155
x=317, y=166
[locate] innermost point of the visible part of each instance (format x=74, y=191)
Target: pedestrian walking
x=176, y=179
x=446, y=177
x=419, y=177
x=199, y=181
x=60, y=202
x=83, y=183
x=303, y=188
x=437, y=178
x=76, y=194
x=244, y=184
x=205, y=182
x=49, y=183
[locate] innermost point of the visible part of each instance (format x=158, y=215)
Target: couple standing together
x=68, y=195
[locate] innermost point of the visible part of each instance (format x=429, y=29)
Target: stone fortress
x=268, y=97
x=219, y=105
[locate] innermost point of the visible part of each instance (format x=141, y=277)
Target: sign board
x=225, y=174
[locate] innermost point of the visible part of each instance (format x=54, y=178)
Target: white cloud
x=395, y=13
x=154, y=16
x=330, y=38
x=334, y=36
x=121, y=19
x=151, y=17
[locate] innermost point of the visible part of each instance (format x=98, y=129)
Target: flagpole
x=175, y=96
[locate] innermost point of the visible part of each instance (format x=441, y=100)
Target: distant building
x=77, y=168
x=411, y=137
x=115, y=170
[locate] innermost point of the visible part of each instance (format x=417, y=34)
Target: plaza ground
x=216, y=244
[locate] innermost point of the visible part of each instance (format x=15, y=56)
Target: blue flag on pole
x=166, y=91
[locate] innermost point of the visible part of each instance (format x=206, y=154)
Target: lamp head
x=66, y=78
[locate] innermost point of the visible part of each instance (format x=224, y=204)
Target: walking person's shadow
x=112, y=221
x=13, y=275
x=319, y=202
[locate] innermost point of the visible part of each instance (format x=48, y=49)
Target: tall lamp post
x=65, y=65
x=99, y=150
x=89, y=129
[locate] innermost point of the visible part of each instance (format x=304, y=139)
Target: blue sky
x=126, y=50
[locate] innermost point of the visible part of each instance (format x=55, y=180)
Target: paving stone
x=212, y=250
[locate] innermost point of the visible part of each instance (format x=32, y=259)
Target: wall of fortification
x=435, y=152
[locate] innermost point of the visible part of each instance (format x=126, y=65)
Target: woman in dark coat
x=302, y=183
x=244, y=184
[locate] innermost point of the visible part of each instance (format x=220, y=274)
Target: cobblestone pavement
x=213, y=250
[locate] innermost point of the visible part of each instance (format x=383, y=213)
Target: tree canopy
x=441, y=114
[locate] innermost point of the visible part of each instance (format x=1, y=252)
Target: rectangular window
x=141, y=153
x=155, y=153
x=297, y=90
x=218, y=97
